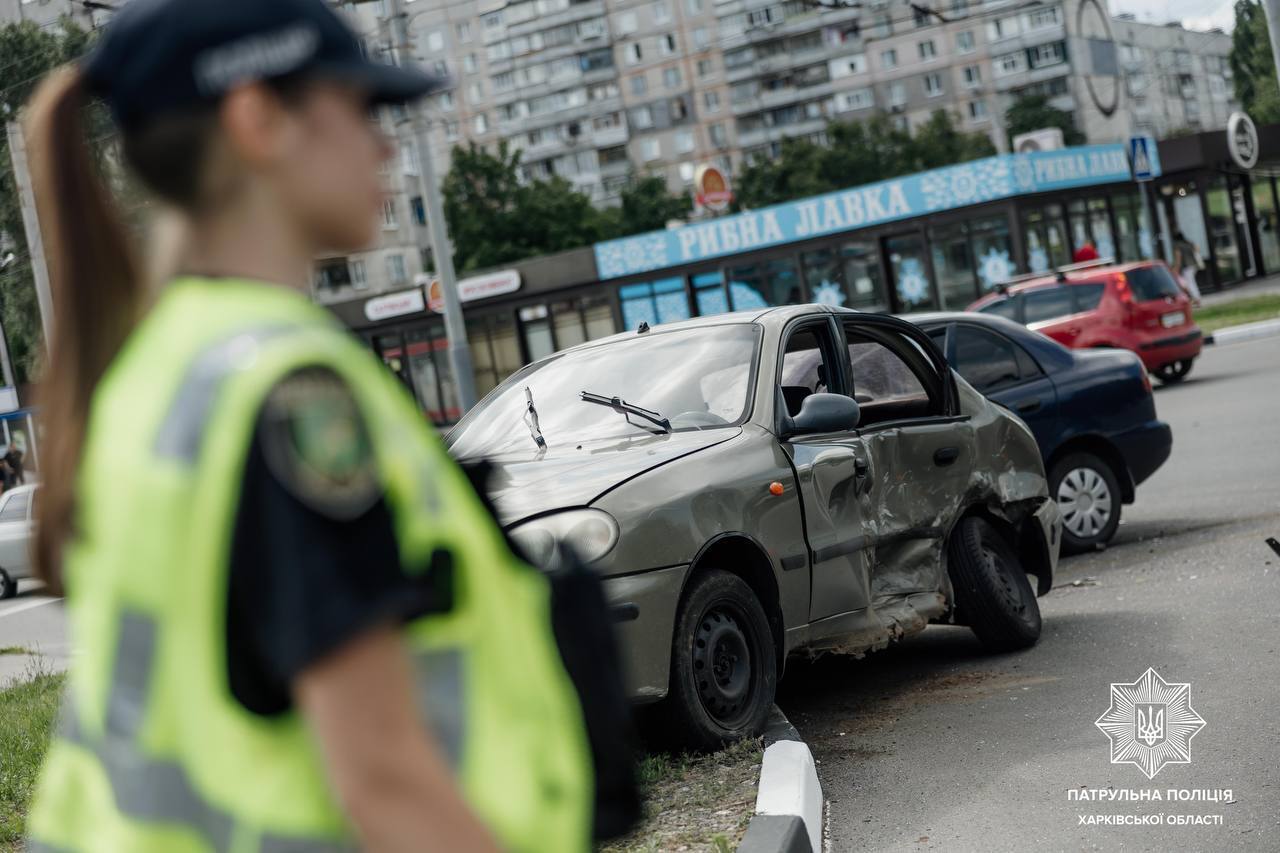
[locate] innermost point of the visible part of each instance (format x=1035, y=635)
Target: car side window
x=1088, y=295
x=1002, y=308
x=15, y=509
x=1047, y=304
x=987, y=361
x=885, y=376
x=805, y=365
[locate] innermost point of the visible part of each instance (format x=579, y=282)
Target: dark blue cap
x=164, y=56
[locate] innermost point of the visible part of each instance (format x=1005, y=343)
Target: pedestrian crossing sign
x=1141, y=151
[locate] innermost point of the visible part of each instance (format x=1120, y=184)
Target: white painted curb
x=789, y=786
x=1244, y=332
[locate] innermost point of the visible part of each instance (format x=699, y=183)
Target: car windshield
x=696, y=378
x=1154, y=282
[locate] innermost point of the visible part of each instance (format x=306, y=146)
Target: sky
x=1194, y=14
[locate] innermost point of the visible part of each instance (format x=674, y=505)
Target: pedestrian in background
x=13, y=461
x=297, y=626
x=1085, y=253
x=1187, y=264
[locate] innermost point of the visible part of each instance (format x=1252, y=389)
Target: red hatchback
x=1137, y=306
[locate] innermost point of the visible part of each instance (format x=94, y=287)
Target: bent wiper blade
x=531, y=420
x=623, y=407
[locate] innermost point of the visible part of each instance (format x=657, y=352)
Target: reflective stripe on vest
x=155, y=790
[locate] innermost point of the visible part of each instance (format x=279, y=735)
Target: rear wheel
x=993, y=596
x=1174, y=372
x=8, y=586
x=723, y=665
x=1088, y=496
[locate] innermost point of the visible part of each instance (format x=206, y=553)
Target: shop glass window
x=429, y=374
x=535, y=326
x=765, y=284
x=864, y=285
x=1079, y=224
x=495, y=350
x=1100, y=225
x=992, y=252
x=653, y=303
x=1046, y=240
x=709, y=293
x=953, y=265
x=566, y=319
x=1222, y=230
x=1133, y=228
x=1264, y=206
x=910, y=274
x=1048, y=303
x=987, y=361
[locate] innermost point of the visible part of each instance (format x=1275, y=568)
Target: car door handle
x=861, y=472
x=946, y=455
x=1026, y=407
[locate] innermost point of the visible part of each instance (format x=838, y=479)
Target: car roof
x=1047, y=350
x=1088, y=275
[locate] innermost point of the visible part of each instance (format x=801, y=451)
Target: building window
x=711, y=100
x=1002, y=28
x=396, y=272
x=463, y=31
x=964, y=42
x=446, y=101
x=419, y=210
x=389, y=219
x=475, y=94
x=1041, y=18
x=451, y=131
x=359, y=275
x=1010, y=63
x=480, y=123
x=639, y=85
x=701, y=38
x=684, y=142
x=1053, y=53
x=927, y=50
x=671, y=77
x=634, y=53
x=897, y=94
x=409, y=161
x=977, y=110
x=718, y=136
x=661, y=12
x=856, y=99
x=889, y=58
x=933, y=85
x=626, y=23
x=667, y=44
x=694, y=6
x=435, y=41
x=642, y=118
x=972, y=76
x=650, y=149
x=921, y=15
x=705, y=67
x=763, y=17
x=332, y=274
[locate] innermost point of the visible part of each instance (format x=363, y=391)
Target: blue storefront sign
x=989, y=179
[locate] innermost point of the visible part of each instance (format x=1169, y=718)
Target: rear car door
x=1051, y=311
x=1003, y=371
x=829, y=469
x=920, y=455
x=15, y=534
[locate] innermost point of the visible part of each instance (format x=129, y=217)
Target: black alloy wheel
x=1174, y=371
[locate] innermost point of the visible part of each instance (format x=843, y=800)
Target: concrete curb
x=789, y=802
x=1244, y=332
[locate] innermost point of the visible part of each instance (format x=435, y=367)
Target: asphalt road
x=36, y=624
x=935, y=745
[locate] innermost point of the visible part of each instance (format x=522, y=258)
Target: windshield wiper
x=531, y=421
x=623, y=407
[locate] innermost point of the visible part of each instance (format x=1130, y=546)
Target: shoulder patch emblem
x=317, y=445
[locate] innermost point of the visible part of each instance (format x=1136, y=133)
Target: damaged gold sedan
x=756, y=485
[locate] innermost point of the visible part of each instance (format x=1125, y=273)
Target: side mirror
x=823, y=413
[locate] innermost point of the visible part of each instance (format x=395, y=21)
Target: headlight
x=591, y=533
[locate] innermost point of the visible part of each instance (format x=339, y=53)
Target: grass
x=13, y=650
x=1247, y=310
x=695, y=802
x=27, y=712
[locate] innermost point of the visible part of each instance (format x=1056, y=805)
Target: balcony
x=575, y=12
x=765, y=135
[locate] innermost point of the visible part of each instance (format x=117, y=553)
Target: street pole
x=31, y=223
x=1272, y=10
x=455, y=326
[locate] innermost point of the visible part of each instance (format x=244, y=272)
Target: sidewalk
x=1268, y=286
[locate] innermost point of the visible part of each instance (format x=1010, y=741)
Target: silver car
x=756, y=485
x=16, y=528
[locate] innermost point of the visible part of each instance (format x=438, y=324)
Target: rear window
x=1148, y=283
x=1047, y=304
x=1001, y=308
x=1088, y=295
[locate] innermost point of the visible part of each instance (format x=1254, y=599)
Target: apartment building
x=47, y=13
x=1177, y=81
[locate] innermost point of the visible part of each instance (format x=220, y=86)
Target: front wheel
x=8, y=586
x=1088, y=496
x=724, y=670
x=1174, y=372
x=993, y=595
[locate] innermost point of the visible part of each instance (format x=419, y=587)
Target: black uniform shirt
x=314, y=559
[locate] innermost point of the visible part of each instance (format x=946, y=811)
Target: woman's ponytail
x=97, y=294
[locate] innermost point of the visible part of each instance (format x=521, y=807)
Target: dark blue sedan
x=1091, y=411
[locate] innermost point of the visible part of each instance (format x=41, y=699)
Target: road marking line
x=27, y=605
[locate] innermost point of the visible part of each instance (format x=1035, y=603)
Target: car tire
x=1174, y=372
x=8, y=586
x=1088, y=494
x=993, y=596
x=724, y=671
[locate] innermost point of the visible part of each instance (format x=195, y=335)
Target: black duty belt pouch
x=584, y=633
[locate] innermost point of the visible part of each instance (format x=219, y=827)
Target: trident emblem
x=1150, y=724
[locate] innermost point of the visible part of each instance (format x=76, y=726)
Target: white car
x=16, y=528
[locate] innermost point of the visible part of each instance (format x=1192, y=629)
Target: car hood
x=571, y=475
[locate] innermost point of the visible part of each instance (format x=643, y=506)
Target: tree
x=1034, y=112
x=938, y=142
x=647, y=206
x=30, y=52
x=1252, y=65
x=495, y=218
